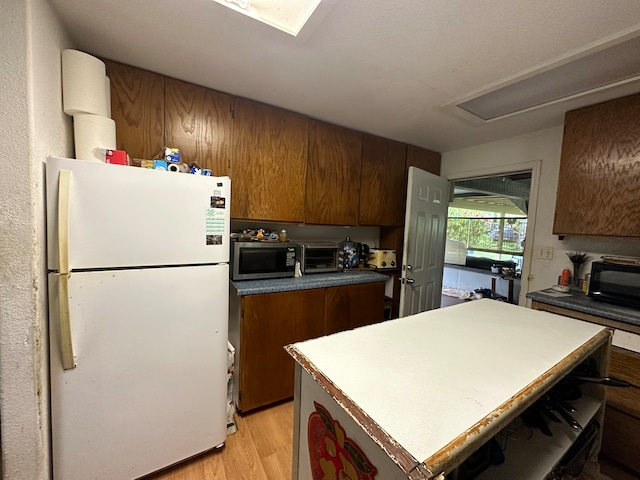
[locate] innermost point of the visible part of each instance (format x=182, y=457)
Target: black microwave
x=259, y=260
x=617, y=283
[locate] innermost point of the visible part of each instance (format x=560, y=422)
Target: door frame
x=535, y=167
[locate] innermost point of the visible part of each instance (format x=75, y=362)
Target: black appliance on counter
x=263, y=259
x=616, y=281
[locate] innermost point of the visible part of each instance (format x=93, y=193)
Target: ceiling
x=394, y=69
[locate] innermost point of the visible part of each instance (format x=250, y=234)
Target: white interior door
x=424, y=240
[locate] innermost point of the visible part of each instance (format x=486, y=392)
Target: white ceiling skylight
x=286, y=15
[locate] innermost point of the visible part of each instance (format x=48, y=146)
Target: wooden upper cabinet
x=424, y=159
x=137, y=107
x=382, y=182
x=269, y=165
x=333, y=175
x=198, y=122
x=599, y=176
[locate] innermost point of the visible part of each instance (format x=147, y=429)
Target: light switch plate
x=544, y=253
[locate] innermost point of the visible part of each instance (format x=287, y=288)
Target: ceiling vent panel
x=618, y=63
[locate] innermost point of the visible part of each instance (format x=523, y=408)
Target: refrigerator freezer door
x=126, y=216
x=149, y=389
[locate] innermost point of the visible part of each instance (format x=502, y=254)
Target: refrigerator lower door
x=128, y=217
x=149, y=388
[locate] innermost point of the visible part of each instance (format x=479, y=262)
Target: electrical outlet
x=544, y=253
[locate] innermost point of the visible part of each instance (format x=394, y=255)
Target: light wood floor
x=259, y=450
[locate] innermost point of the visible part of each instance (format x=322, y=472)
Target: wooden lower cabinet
x=271, y=321
x=621, y=428
x=621, y=433
x=353, y=306
x=261, y=325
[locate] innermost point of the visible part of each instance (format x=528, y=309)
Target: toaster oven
x=319, y=257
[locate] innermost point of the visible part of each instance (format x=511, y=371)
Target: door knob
x=409, y=280
x=408, y=267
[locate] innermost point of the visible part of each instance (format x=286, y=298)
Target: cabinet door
x=333, y=175
x=199, y=123
x=424, y=159
x=353, y=306
x=382, y=182
x=600, y=170
x=137, y=107
x=621, y=430
x=269, y=167
x=271, y=321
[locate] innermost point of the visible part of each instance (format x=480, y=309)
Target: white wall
x=33, y=127
x=519, y=153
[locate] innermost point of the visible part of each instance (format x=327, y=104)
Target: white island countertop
x=434, y=383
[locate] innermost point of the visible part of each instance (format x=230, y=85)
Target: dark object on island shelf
x=587, y=372
x=488, y=454
x=576, y=457
x=609, y=381
x=546, y=408
x=533, y=418
x=568, y=388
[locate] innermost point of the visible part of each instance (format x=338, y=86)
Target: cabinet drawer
x=625, y=365
x=626, y=400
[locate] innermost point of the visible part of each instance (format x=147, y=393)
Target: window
x=487, y=235
x=489, y=216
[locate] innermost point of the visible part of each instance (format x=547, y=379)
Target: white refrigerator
x=138, y=309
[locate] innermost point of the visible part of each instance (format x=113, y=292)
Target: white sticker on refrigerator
x=215, y=221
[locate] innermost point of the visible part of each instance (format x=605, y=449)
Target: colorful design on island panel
x=334, y=456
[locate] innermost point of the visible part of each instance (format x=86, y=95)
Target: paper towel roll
x=93, y=134
x=83, y=84
x=108, y=93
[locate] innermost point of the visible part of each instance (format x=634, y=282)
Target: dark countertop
x=580, y=302
x=306, y=282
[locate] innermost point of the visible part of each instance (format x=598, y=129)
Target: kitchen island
x=415, y=397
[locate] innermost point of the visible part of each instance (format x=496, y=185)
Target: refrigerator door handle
x=66, y=342
x=64, y=194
